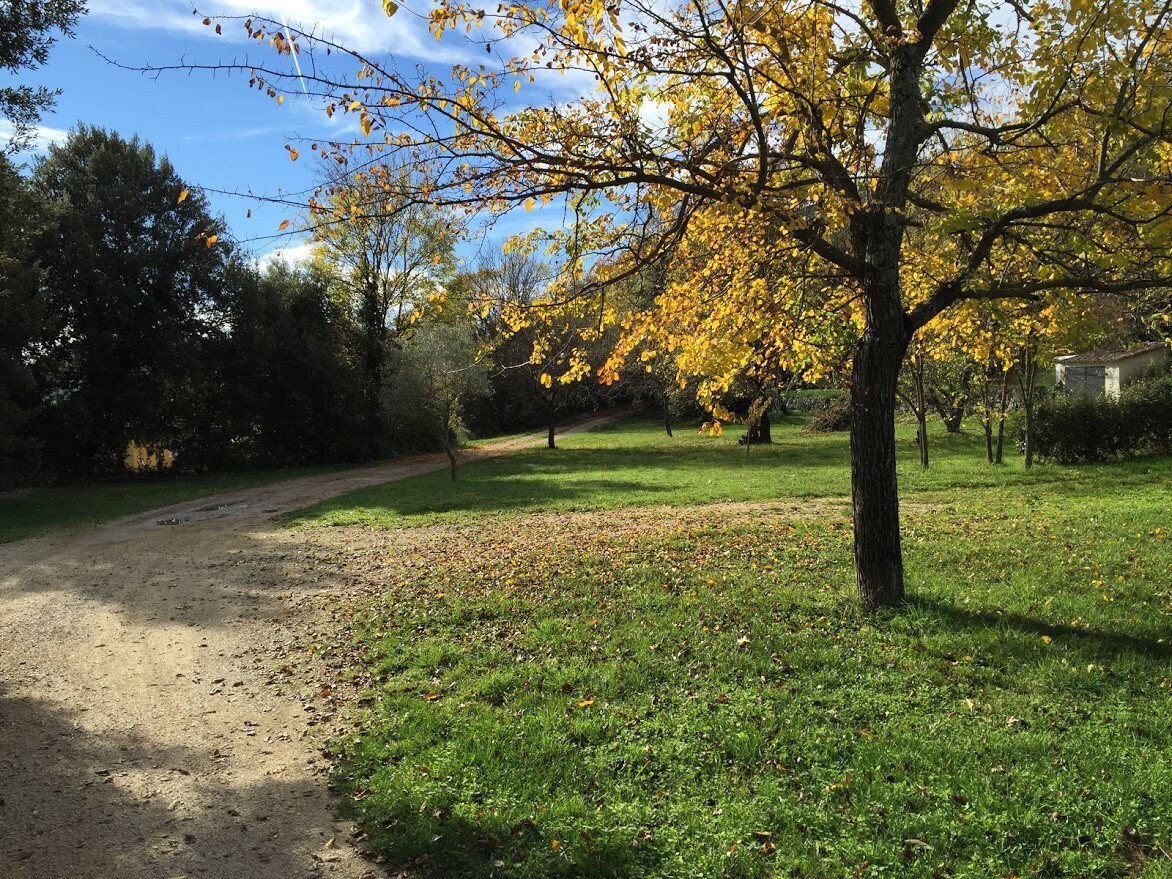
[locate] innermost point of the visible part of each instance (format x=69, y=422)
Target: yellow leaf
x=293, y=155
x=586, y=703
x=1046, y=639
x=284, y=225
x=211, y=240
x=431, y=697
x=353, y=106
x=529, y=203
x=546, y=380
x=183, y=196
x=390, y=7
x=280, y=100
x=366, y=125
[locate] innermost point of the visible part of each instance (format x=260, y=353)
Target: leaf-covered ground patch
x=690, y=691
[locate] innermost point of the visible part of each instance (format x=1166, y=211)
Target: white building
x=1107, y=370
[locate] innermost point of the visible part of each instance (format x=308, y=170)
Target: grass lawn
x=32, y=511
x=562, y=676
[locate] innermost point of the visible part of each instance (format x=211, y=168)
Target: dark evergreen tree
x=22, y=323
x=290, y=378
x=131, y=283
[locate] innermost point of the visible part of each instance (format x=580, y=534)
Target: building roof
x=1111, y=355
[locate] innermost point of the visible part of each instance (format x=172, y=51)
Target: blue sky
x=217, y=132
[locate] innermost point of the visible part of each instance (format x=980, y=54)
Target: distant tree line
x=127, y=320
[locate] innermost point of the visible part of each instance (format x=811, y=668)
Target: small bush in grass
x=835, y=417
x=1073, y=429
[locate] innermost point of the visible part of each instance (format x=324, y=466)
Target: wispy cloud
x=43, y=136
x=356, y=24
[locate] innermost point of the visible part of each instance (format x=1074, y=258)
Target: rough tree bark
x=874, y=379
x=874, y=489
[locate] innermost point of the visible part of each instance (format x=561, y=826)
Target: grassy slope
x=637, y=693
x=33, y=511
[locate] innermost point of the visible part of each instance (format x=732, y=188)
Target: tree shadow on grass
x=598, y=478
x=498, y=494
x=1095, y=644
x=420, y=837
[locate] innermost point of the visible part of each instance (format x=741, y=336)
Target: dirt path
x=150, y=725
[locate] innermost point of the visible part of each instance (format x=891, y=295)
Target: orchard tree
x=441, y=374
x=528, y=330
x=730, y=321
x=866, y=136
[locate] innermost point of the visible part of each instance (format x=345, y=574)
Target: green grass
x=693, y=692
x=28, y=512
x=633, y=463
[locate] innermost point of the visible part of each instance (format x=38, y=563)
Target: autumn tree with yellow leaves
x=907, y=155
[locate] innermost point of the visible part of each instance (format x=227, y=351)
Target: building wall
x=1134, y=367
x=1118, y=374
x=1111, y=385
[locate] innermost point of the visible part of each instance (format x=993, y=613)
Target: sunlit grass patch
x=691, y=691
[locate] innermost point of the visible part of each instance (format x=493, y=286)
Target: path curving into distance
x=149, y=727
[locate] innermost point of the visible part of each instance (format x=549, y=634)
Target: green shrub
x=1072, y=429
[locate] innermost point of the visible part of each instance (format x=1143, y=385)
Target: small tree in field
x=439, y=373
x=901, y=156
x=526, y=330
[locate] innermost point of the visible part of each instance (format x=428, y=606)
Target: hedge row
x=1072, y=429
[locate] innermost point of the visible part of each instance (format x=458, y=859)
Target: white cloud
x=43, y=136
x=356, y=24
x=295, y=254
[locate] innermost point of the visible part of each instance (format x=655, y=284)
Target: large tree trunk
x=764, y=429
x=552, y=421
x=877, y=234
x=874, y=492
